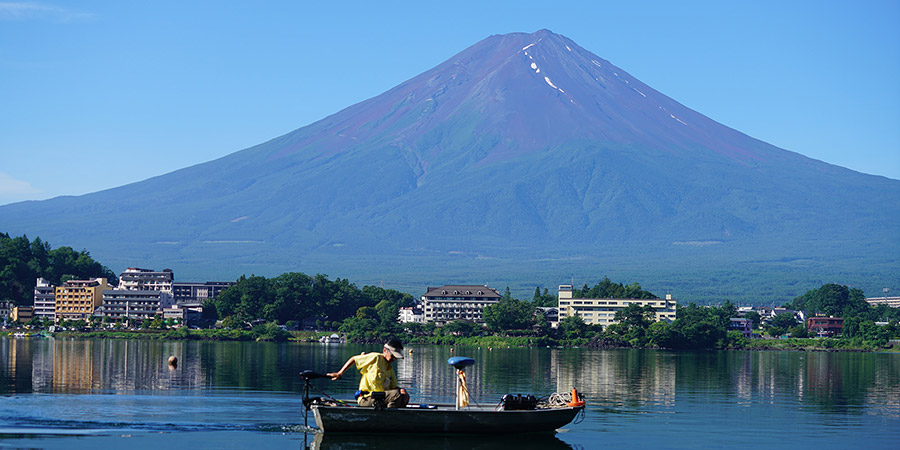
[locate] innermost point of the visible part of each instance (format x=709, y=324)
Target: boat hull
x=443, y=419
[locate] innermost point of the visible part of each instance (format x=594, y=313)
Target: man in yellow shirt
x=377, y=375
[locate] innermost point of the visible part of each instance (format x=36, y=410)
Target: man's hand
x=334, y=376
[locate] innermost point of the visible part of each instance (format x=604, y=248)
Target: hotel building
x=457, y=302
x=602, y=311
x=77, y=299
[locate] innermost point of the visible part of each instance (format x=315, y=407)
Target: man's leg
x=396, y=398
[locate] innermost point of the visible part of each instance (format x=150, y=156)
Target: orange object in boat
x=575, y=400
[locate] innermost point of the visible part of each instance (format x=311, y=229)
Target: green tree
x=633, y=323
x=461, y=328
x=698, y=327
x=573, y=327
x=784, y=321
x=509, y=314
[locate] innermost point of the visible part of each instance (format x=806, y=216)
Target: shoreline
x=793, y=344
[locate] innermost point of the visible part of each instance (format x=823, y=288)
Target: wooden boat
x=514, y=414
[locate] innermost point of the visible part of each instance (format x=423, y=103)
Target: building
x=457, y=302
x=893, y=302
x=77, y=299
x=825, y=326
x=745, y=326
x=137, y=279
x=602, y=311
x=198, y=292
x=21, y=314
x=6, y=307
x=44, y=299
x=411, y=314
x=135, y=304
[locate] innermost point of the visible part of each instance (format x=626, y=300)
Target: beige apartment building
x=602, y=311
x=77, y=299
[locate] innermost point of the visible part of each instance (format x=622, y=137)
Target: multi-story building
x=77, y=299
x=893, y=302
x=745, y=326
x=411, y=314
x=135, y=304
x=602, y=311
x=457, y=302
x=44, y=299
x=22, y=314
x=198, y=292
x=825, y=326
x=137, y=279
x=6, y=307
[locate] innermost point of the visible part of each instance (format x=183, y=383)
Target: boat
x=333, y=339
x=513, y=414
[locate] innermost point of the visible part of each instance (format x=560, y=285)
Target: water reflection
x=325, y=441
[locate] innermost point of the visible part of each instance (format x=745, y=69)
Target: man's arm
x=337, y=375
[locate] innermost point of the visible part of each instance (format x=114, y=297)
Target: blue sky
x=97, y=94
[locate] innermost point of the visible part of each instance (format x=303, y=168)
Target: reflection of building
x=825, y=326
x=457, y=302
x=44, y=299
x=602, y=311
x=77, y=299
x=134, y=278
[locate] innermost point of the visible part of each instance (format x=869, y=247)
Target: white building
x=411, y=314
x=44, y=299
x=602, y=311
x=137, y=279
x=135, y=304
x=893, y=302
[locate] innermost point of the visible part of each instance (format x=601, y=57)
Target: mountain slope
x=521, y=149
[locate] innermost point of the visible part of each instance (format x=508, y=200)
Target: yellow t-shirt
x=377, y=373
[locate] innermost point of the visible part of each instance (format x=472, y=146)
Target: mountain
x=524, y=159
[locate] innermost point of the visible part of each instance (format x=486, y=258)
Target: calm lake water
x=83, y=393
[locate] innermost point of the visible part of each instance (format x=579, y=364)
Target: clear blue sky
x=97, y=94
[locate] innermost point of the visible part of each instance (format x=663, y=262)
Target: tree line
x=22, y=261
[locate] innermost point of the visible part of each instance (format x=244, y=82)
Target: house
x=745, y=326
x=602, y=311
x=457, y=302
x=825, y=326
x=413, y=314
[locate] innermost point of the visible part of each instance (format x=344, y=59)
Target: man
x=377, y=375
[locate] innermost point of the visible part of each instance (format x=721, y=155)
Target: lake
x=96, y=393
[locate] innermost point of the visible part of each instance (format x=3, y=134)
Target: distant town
x=146, y=298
